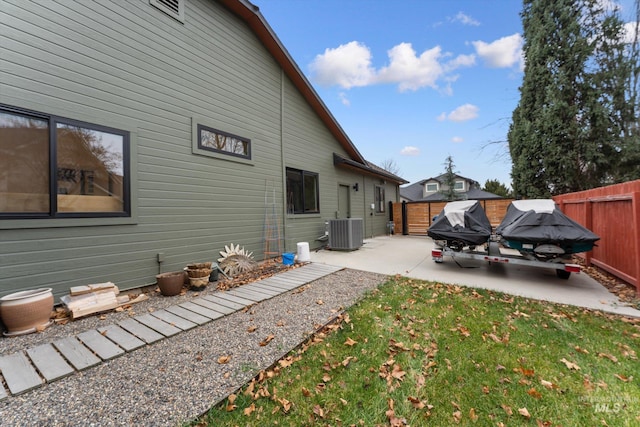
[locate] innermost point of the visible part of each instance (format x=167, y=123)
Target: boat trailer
x=495, y=252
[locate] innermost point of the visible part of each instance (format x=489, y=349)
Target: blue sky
x=413, y=80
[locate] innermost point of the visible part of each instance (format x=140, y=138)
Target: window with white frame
x=459, y=186
x=56, y=167
x=432, y=188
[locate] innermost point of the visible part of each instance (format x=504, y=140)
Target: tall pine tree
x=567, y=130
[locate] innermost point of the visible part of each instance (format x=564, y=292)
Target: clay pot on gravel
x=26, y=312
x=170, y=284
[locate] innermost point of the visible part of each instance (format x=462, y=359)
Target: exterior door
x=344, y=202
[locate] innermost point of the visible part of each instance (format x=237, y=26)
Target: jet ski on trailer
x=537, y=227
x=460, y=224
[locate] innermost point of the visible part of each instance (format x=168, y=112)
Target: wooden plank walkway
x=24, y=371
x=49, y=362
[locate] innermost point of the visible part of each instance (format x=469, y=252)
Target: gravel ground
x=179, y=378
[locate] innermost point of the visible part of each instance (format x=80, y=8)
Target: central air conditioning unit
x=346, y=234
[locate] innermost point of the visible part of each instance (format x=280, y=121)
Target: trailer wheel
x=563, y=274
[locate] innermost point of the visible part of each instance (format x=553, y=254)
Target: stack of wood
x=95, y=298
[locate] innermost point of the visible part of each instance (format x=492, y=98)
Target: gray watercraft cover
x=540, y=220
x=464, y=220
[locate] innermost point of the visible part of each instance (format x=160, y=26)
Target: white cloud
x=344, y=99
x=465, y=19
x=461, y=114
x=457, y=139
x=348, y=65
x=410, y=151
x=442, y=117
x=502, y=53
x=409, y=71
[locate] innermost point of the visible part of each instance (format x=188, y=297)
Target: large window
x=55, y=167
x=302, y=192
x=379, y=196
x=222, y=142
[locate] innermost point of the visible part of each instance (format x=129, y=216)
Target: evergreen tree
x=449, y=181
x=496, y=187
x=567, y=130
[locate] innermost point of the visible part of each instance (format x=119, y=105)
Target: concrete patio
x=411, y=256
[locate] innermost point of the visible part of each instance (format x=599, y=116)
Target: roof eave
x=351, y=164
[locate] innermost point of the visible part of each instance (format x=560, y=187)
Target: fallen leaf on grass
x=507, y=409
x=524, y=371
x=608, y=356
x=230, y=405
x=318, y=411
x=581, y=350
x=350, y=342
x=348, y=360
x=457, y=416
x=548, y=384
x=286, y=405
x=524, y=412
x=397, y=372
x=570, y=365
x=473, y=415
x=416, y=403
x=249, y=410
x=623, y=378
x=534, y=393
x=305, y=392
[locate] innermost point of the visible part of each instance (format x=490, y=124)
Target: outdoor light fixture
x=355, y=186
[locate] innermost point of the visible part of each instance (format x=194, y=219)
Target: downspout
x=282, y=165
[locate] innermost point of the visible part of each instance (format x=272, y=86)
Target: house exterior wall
x=128, y=66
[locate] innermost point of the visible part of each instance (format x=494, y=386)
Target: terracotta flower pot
x=170, y=284
x=25, y=312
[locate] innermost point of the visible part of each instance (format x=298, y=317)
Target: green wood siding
x=129, y=66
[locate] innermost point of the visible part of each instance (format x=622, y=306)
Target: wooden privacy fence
x=419, y=214
x=613, y=213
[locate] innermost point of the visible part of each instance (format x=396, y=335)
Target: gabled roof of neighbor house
x=251, y=15
x=414, y=192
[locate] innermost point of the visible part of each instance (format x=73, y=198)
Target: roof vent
x=173, y=8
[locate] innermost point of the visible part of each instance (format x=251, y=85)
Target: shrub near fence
x=420, y=214
x=613, y=213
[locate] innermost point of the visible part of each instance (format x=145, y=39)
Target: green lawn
x=421, y=353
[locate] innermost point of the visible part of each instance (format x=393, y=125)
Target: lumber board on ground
x=19, y=374
x=49, y=362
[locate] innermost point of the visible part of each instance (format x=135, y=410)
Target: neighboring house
x=138, y=136
x=431, y=190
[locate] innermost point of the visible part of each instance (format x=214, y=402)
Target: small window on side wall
x=459, y=186
x=222, y=142
x=380, y=201
x=302, y=192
